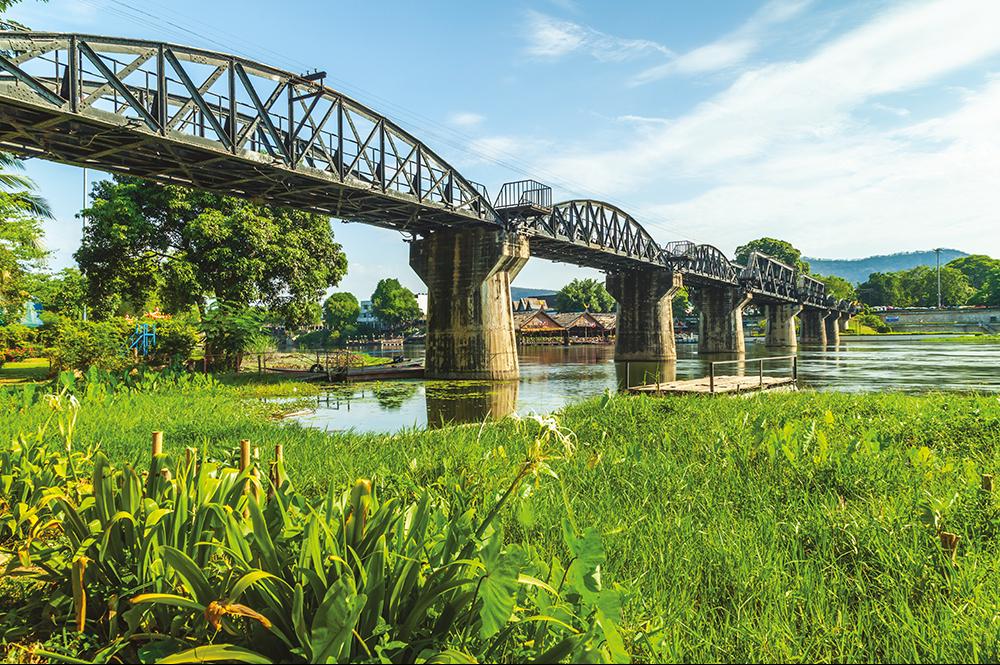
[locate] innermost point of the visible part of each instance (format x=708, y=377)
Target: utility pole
x=937, y=251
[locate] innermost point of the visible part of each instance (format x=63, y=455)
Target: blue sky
x=848, y=128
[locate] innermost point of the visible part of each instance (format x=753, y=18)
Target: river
x=554, y=376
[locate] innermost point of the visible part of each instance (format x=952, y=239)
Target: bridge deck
x=722, y=385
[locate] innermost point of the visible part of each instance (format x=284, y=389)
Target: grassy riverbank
x=783, y=527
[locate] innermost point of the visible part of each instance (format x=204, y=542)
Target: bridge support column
x=470, y=325
x=721, y=328
x=832, y=323
x=645, y=322
x=813, y=327
x=845, y=322
x=781, y=326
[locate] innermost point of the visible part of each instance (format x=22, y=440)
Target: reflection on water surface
x=554, y=376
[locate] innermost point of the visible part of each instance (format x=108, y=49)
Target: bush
x=176, y=338
x=81, y=344
x=874, y=322
x=15, y=343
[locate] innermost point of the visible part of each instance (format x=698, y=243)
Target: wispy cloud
x=549, y=37
x=465, y=119
x=785, y=150
x=732, y=49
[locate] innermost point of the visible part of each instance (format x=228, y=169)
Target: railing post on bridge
x=711, y=378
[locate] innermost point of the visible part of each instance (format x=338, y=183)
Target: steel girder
x=220, y=122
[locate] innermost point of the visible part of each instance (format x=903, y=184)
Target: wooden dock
x=716, y=384
x=722, y=385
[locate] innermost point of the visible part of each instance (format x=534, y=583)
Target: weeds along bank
x=788, y=526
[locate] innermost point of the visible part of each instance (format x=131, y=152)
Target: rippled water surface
x=554, y=376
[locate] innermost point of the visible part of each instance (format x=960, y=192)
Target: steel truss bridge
x=223, y=123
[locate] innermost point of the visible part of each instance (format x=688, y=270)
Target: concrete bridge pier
x=832, y=323
x=721, y=328
x=470, y=326
x=844, y=322
x=645, y=324
x=813, y=326
x=780, y=332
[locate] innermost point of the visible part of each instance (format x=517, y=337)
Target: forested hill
x=857, y=270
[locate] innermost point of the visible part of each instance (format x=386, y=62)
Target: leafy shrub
x=230, y=332
x=15, y=343
x=874, y=322
x=81, y=344
x=199, y=561
x=176, y=338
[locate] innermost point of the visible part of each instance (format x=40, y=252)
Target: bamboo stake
x=244, y=454
x=949, y=541
x=157, y=443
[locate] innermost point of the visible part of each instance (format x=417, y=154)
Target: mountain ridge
x=858, y=270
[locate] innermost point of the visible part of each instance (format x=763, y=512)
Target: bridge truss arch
x=223, y=123
x=591, y=233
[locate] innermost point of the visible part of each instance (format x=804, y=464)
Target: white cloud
x=783, y=152
x=465, y=119
x=549, y=37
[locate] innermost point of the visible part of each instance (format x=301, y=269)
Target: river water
x=554, y=376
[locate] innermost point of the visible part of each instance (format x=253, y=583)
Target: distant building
x=367, y=316
x=530, y=304
x=537, y=326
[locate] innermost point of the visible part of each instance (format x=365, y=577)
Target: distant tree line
x=970, y=280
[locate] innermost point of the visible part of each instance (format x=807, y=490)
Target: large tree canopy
x=178, y=247
x=838, y=287
x=340, y=314
x=584, y=294
x=393, y=304
x=777, y=249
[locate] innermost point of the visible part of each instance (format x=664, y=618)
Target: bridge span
x=223, y=123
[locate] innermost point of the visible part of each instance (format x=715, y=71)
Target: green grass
x=24, y=371
x=798, y=526
x=966, y=339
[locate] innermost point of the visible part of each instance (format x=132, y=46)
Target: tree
x=584, y=294
x=181, y=247
x=776, y=249
x=21, y=214
x=838, y=287
x=882, y=289
x=394, y=305
x=63, y=292
x=982, y=272
x=340, y=314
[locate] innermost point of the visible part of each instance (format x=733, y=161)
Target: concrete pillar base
x=645, y=321
x=470, y=326
x=781, y=326
x=721, y=328
x=845, y=322
x=813, y=327
x=832, y=323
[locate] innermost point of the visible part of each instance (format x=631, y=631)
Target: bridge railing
x=760, y=368
x=524, y=194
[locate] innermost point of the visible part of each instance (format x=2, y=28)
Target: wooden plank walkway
x=723, y=385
